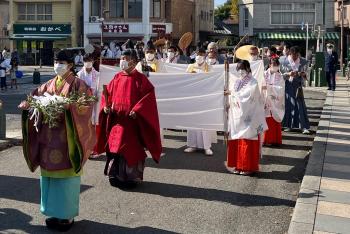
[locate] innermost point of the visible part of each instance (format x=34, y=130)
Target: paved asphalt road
x=185, y=193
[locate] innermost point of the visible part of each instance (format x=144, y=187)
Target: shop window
x=116, y=8
x=155, y=8
x=35, y=11
x=135, y=8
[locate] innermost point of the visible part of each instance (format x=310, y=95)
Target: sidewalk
x=323, y=204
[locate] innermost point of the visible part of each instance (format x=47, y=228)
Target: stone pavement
x=323, y=204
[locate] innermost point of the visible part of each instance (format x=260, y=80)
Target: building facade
x=4, y=20
x=140, y=20
x=270, y=22
x=38, y=28
x=346, y=24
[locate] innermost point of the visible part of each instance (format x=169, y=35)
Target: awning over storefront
x=295, y=36
x=38, y=37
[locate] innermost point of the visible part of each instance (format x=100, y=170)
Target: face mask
x=105, y=47
x=329, y=51
x=199, y=59
x=254, y=57
x=171, y=55
x=268, y=54
x=149, y=57
x=285, y=52
x=60, y=69
x=88, y=64
x=242, y=73
x=124, y=65
x=212, y=61
x=274, y=69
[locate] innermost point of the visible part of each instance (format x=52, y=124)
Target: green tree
x=223, y=11
x=234, y=8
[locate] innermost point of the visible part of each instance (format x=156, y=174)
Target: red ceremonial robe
x=273, y=136
x=123, y=135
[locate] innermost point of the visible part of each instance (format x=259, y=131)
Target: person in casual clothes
x=246, y=122
x=293, y=68
x=14, y=69
x=200, y=139
x=106, y=52
x=5, y=66
x=331, y=60
x=273, y=92
x=174, y=56
x=60, y=151
x=129, y=124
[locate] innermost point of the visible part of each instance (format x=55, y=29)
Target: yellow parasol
x=243, y=52
x=185, y=40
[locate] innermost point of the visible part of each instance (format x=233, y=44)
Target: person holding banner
x=154, y=64
x=200, y=139
x=247, y=121
x=273, y=91
x=129, y=124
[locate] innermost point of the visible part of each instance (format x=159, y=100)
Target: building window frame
x=294, y=9
x=246, y=18
x=155, y=13
x=30, y=11
x=139, y=8
x=113, y=12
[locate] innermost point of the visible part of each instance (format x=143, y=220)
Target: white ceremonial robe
x=274, y=95
x=200, y=139
x=91, y=79
x=246, y=114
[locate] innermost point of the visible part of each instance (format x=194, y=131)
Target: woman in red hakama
x=246, y=123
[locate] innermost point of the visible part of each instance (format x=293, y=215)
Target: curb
x=304, y=213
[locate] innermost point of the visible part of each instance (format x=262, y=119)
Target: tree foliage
x=226, y=10
x=234, y=8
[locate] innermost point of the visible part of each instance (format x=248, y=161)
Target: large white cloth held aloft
x=274, y=95
x=246, y=113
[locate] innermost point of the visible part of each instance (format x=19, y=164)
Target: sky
x=219, y=2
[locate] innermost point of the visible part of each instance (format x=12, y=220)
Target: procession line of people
x=127, y=122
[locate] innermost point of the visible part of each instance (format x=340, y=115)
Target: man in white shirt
x=5, y=66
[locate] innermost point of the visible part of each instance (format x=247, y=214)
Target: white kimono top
x=246, y=117
x=274, y=95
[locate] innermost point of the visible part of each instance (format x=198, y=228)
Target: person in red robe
x=246, y=122
x=129, y=124
x=273, y=91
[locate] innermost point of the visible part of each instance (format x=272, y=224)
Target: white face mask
x=124, y=65
x=329, y=51
x=149, y=56
x=254, y=57
x=88, y=64
x=199, y=59
x=285, y=53
x=60, y=69
x=171, y=55
x=274, y=69
x=242, y=73
x=211, y=61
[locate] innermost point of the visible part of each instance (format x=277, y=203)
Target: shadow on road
x=233, y=198
x=12, y=219
x=24, y=189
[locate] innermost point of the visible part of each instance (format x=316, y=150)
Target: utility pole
x=341, y=34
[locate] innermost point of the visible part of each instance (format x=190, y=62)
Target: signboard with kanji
x=158, y=28
x=42, y=29
x=116, y=28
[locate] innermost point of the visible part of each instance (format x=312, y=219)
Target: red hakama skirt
x=243, y=154
x=273, y=136
x=98, y=130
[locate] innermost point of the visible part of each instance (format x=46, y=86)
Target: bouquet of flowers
x=51, y=107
